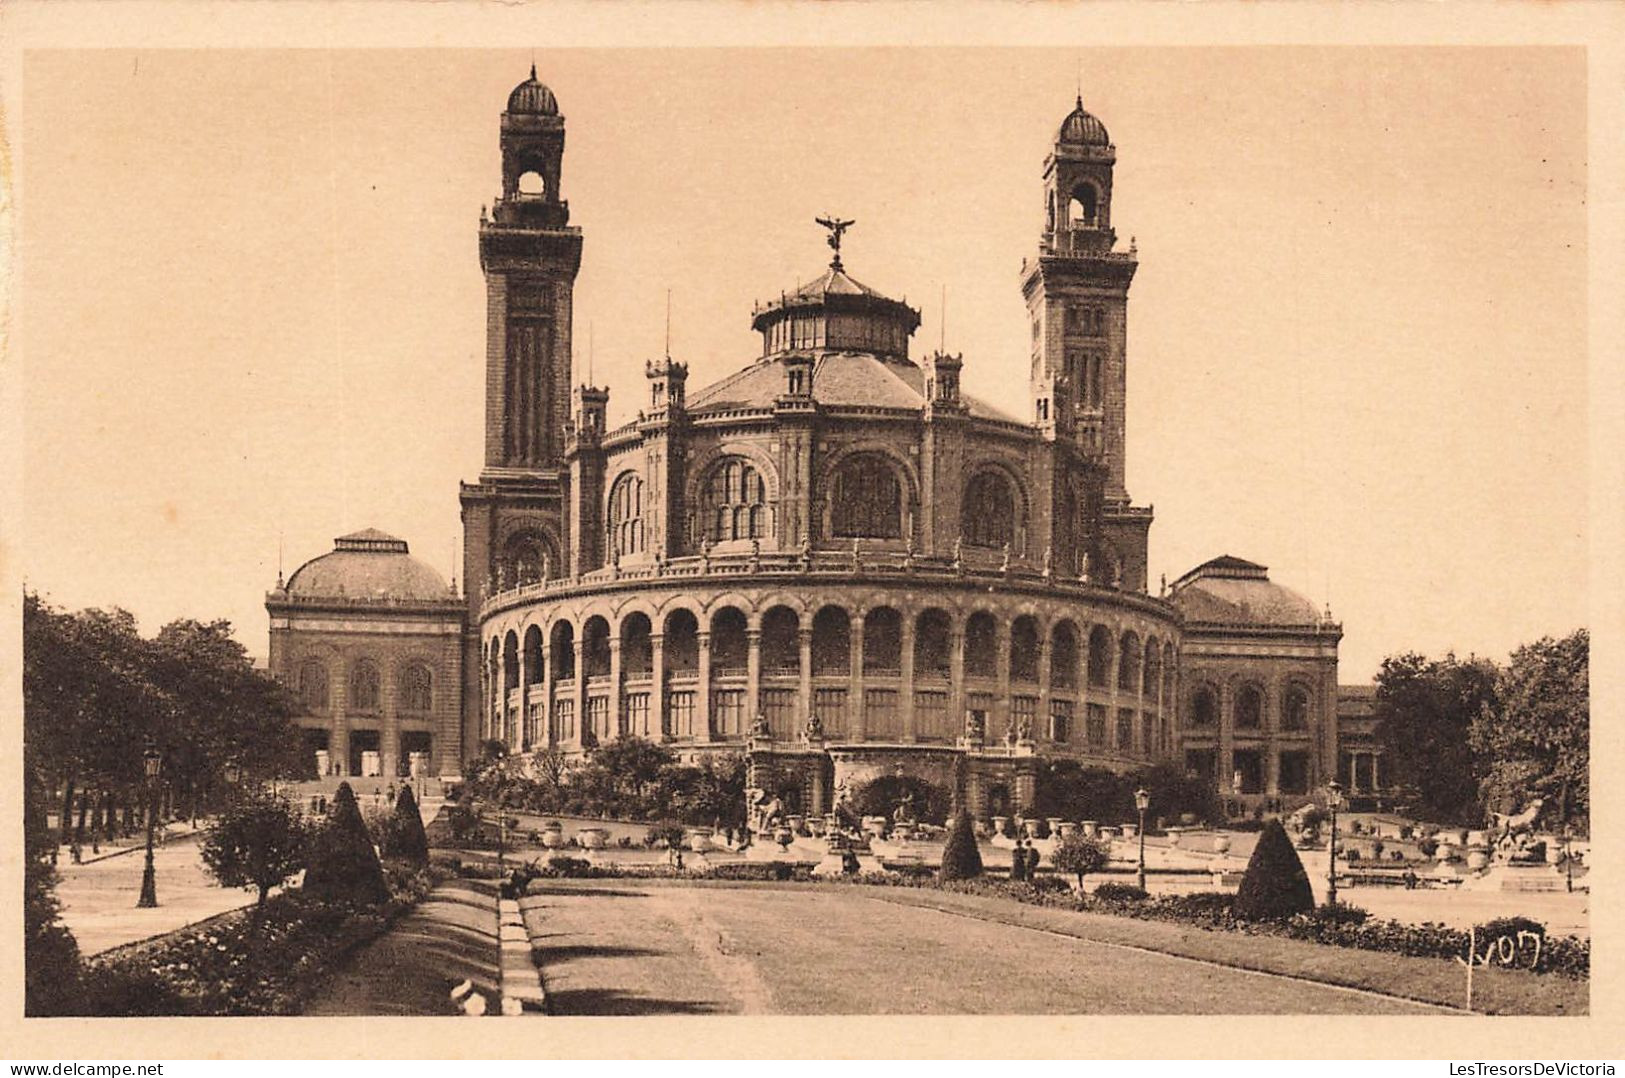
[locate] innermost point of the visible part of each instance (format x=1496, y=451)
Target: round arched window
x=987, y=517
x=735, y=502
x=313, y=685
x=867, y=499
x=364, y=686
x=1295, y=709
x=1204, y=707
x=626, y=515
x=1249, y=708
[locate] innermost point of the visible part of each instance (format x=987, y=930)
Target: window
x=313, y=685
x=1060, y=721
x=680, y=713
x=830, y=707
x=1148, y=734
x=728, y=713
x=635, y=717
x=1023, y=713
x=415, y=689
x=598, y=715
x=779, y=707
x=1294, y=777
x=1204, y=707
x=981, y=646
x=1097, y=725
x=987, y=517
x=880, y=713
x=1249, y=708
x=524, y=560
x=1125, y=730
x=626, y=516
x=1024, y=657
x=1295, y=711
x=364, y=687
x=735, y=502
x=867, y=499
x=931, y=716
x=564, y=720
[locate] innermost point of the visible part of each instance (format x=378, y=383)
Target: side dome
x=368, y=564
x=1081, y=128
x=1233, y=591
x=531, y=98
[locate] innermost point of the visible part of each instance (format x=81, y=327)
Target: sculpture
x=759, y=728
x=1049, y=562
x=975, y=726
x=959, y=554
x=1004, y=563
x=1511, y=827
x=815, y=728
x=806, y=554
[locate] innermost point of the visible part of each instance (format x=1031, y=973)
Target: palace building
x=834, y=559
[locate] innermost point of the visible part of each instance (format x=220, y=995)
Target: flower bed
x=255, y=961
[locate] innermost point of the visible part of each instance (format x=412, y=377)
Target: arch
x=626, y=533
x=1128, y=662
x=637, y=647
x=1249, y=707
x=1152, y=673
x=533, y=653
x=992, y=512
x=781, y=641
x=832, y=642
x=527, y=557
x=363, y=686
x=981, y=645
x=1204, y=710
x=682, y=642
x=865, y=499
x=734, y=502
x=882, y=641
x=730, y=647
x=510, y=660
x=562, y=649
x=415, y=685
x=531, y=184
x=1024, y=649
x=1063, y=655
x=595, y=646
x=933, y=644
x=1295, y=708
x=1101, y=649
x=1083, y=208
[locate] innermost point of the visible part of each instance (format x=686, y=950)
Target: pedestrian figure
x=849, y=863
x=1018, y=862
x=1031, y=874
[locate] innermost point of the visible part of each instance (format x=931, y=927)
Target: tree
x=1079, y=855
x=1071, y=791
x=341, y=865
x=404, y=837
x=50, y=954
x=1425, y=709
x=961, y=859
x=1175, y=791
x=1275, y=886
x=1538, y=742
x=881, y=796
x=258, y=843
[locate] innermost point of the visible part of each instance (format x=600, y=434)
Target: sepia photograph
x=551, y=530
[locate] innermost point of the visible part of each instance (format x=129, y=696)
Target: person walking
x=1018, y=862
x=1033, y=856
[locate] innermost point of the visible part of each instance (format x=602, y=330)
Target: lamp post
x=1568, y=857
x=1142, y=801
x=1334, y=801
x=232, y=772
x=151, y=761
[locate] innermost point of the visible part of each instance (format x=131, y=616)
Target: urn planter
x=553, y=838
x=699, y=839
x=1068, y=830
x=1001, y=825
x=1221, y=843
x=1091, y=828
x=592, y=838
x=1131, y=830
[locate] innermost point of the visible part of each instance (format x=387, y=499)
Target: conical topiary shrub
x=961, y=860
x=343, y=867
x=1275, y=885
x=404, y=838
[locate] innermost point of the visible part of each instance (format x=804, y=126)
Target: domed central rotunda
x=835, y=559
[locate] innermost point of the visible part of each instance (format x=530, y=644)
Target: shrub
x=342, y=865
x=1275, y=886
x=258, y=843
x=667, y=832
x=757, y=870
x=404, y=837
x=1077, y=855
x=1200, y=905
x=1428, y=847
x=1120, y=892
x=562, y=865
x=1340, y=913
x=961, y=860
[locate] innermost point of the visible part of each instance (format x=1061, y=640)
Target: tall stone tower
x=1077, y=300
x=515, y=526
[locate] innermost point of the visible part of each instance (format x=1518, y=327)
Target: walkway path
x=411, y=969
x=633, y=947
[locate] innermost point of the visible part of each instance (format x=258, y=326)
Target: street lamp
x=1568, y=856
x=1142, y=801
x=1334, y=801
x=152, y=761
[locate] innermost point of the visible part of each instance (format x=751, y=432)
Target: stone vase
x=592, y=838
x=1001, y=825
x=553, y=838
x=1221, y=843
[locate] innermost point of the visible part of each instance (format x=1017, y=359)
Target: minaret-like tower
x=530, y=255
x=1077, y=300
x=516, y=519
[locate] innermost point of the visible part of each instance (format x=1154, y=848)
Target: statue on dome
x=836, y=228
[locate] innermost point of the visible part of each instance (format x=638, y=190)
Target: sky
x=251, y=314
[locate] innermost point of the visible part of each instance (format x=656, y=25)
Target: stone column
x=1272, y=773
x=905, y=662
x=999, y=721
x=857, y=721
x=1227, y=742
x=1041, y=721
x=550, y=678
x=616, y=695
x=1139, y=707
x=526, y=675
x=389, y=723
x=657, y=687
x=753, y=677
x=957, y=703
x=702, y=689
x=804, y=687
x=580, y=646
x=338, y=745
